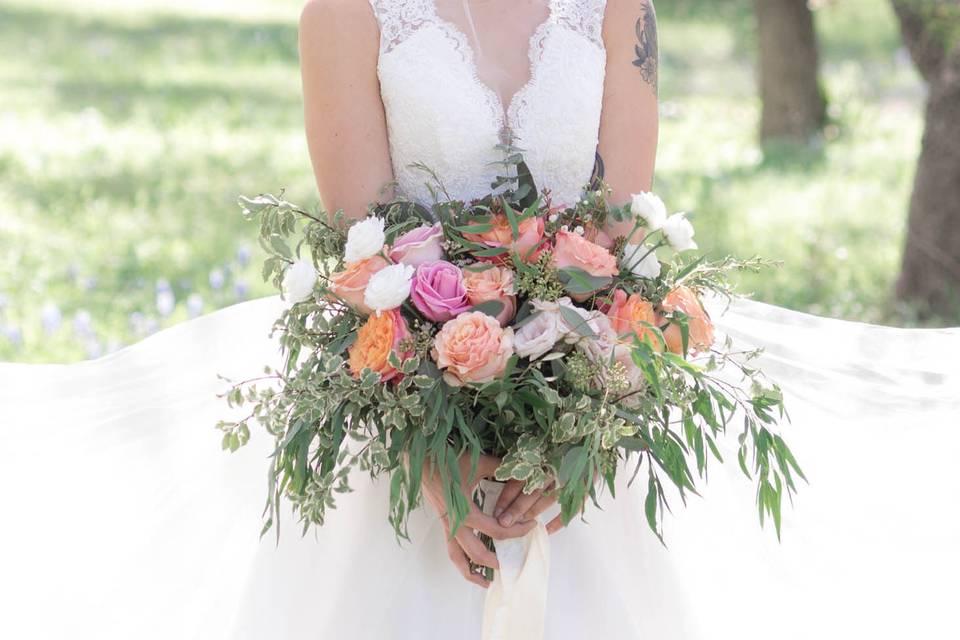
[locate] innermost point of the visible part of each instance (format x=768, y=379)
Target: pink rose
x=438, y=290
x=418, y=246
x=350, y=283
x=472, y=347
x=492, y=283
x=573, y=250
x=527, y=244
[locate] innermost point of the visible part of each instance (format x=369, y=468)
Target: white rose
x=567, y=328
x=298, y=281
x=679, y=232
x=364, y=239
x=537, y=335
x=640, y=260
x=389, y=287
x=649, y=208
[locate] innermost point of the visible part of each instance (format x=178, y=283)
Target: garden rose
x=649, y=208
x=628, y=314
x=472, y=347
x=438, y=290
x=640, y=260
x=492, y=284
x=298, y=281
x=388, y=287
x=419, y=245
x=679, y=232
x=364, y=239
x=608, y=351
x=527, y=244
x=573, y=250
x=376, y=339
x=699, y=325
x=537, y=335
x=351, y=283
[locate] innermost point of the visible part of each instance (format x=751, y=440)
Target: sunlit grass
x=128, y=129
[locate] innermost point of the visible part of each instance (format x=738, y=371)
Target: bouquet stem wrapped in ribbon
x=567, y=339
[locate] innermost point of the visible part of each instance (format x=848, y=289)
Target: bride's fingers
x=518, y=507
x=555, y=525
x=543, y=503
x=476, y=550
x=489, y=525
x=510, y=492
x=459, y=560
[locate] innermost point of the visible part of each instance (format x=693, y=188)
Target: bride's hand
x=465, y=544
x=515, y=506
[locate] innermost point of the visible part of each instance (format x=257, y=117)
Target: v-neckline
x=502, y=112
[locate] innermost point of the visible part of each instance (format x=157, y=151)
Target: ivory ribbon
x=516, y=603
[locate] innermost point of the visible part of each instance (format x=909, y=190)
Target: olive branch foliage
x=544, y=417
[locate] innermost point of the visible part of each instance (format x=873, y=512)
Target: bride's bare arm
x=629, y=120
x=343, y=113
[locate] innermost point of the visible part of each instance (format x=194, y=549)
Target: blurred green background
x=128, y=129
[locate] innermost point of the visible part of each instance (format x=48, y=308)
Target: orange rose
x=699, y=326
x=573, y=250
x=527, y=243
x=628, y=314
x=472, y=347
x=380, y=335
x=350, y=283
x=492, y=283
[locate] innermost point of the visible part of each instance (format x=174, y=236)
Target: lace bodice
x=440, y=113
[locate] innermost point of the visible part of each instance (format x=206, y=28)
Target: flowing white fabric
x=516, y=604
x=122, y=517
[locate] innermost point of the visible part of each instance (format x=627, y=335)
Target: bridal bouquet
x=565, y=338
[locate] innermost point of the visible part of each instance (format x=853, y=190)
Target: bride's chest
x=440, y=113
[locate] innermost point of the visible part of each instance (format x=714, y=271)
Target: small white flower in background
x=194, y=305
x=166, y=302
x=217, y=278
x=641, y=261
x=389, y=287
x=83, y=324
x=299, y=280
x=679, y=232
x=649, y=208
x=50, y=317
x=364, y=239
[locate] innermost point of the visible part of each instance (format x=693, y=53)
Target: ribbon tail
x=516, y=602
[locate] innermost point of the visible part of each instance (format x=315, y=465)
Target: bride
x=124, y=520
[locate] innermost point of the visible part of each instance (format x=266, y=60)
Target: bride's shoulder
x=327, y=15
x=350, y=21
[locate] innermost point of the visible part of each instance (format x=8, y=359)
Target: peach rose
x=472, y=347
x=350, y=283
x=598, y=236
x=699, y=326
x=573, y=250
x=492, y=283
x=629, y=313
x=527, y=244
x=380, y=335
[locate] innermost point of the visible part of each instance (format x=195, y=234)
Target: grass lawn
x=127, y=129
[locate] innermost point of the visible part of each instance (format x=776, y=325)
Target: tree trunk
x=794, y=106
x=930, y=270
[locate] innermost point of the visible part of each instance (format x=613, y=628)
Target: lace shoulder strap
x=581, y=16
x=399, y=19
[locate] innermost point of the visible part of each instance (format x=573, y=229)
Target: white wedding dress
x=123, y=519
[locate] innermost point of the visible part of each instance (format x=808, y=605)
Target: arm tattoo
x=597, y=177
x=646, y=47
